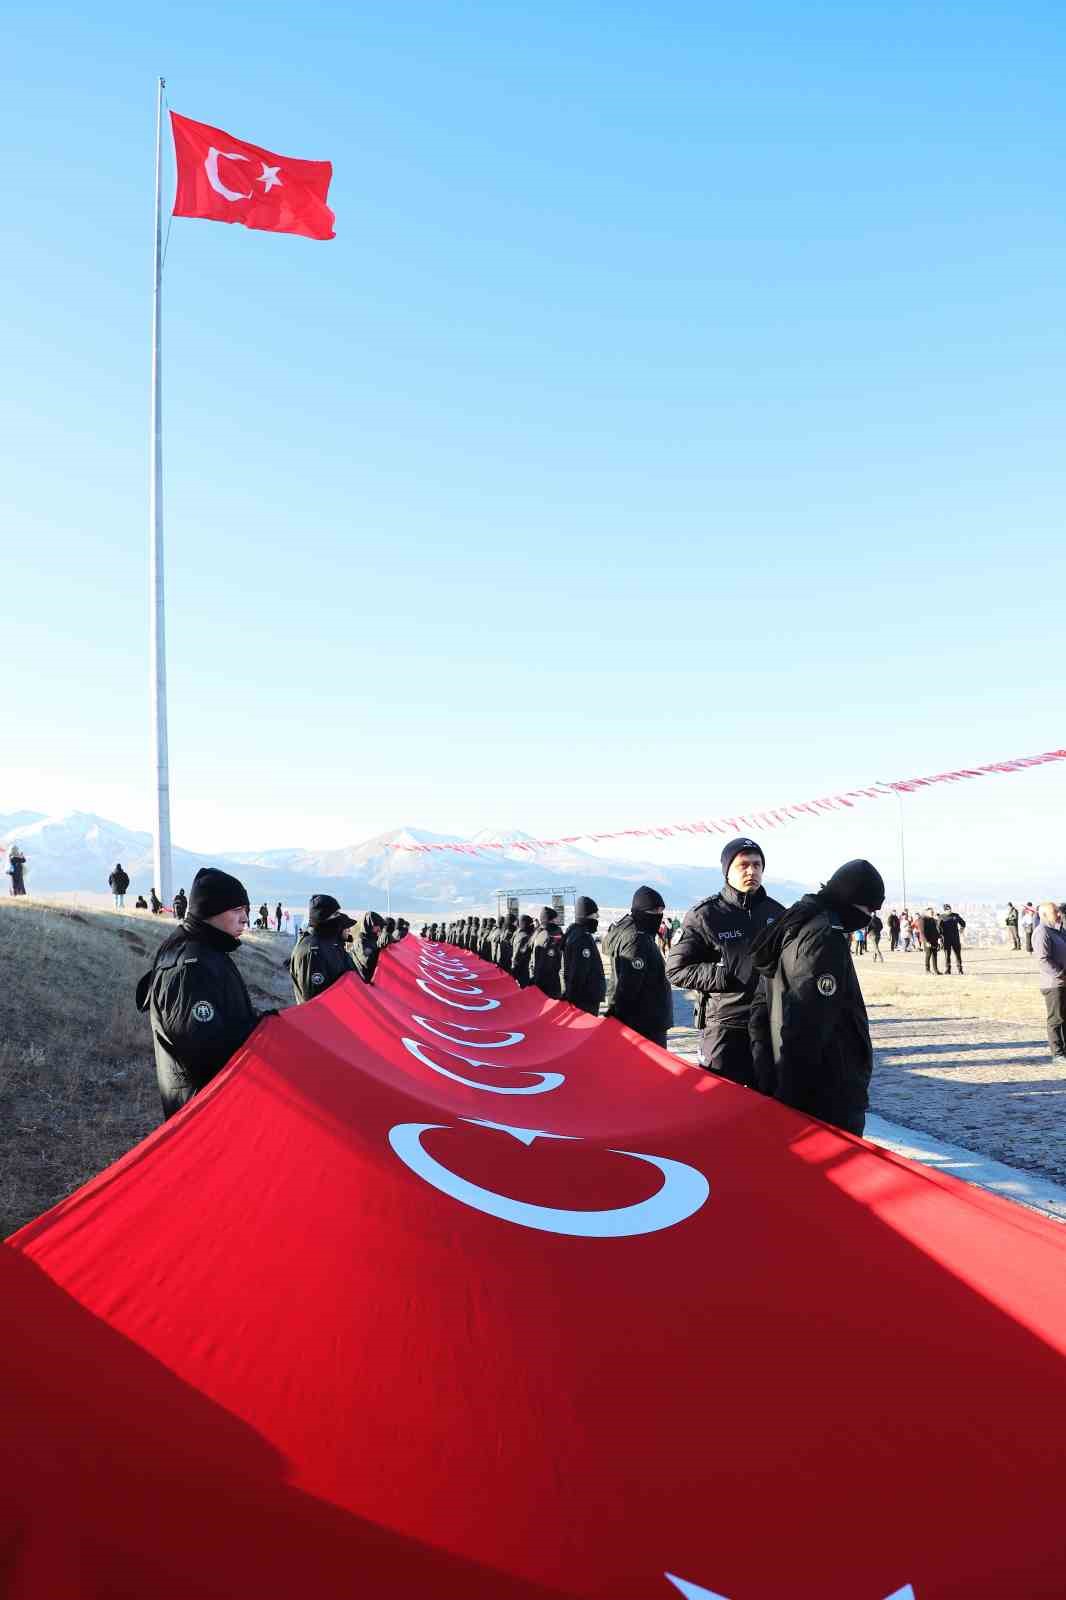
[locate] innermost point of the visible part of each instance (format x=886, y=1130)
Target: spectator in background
x=1049, y=947
x=277, y=916
x=1029, y=921
x=859, y=938
x=16, y=870
x=930, y=932
x=156, y=903
x=918, y=930
x=893, y=931
x=140, y=904
x=876, y=929
x=1011, y=922
x=906, y=932
x=181, y=904
x=951, y=926
x=118, y=883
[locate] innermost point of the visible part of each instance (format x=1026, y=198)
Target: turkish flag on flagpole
x=224, y=179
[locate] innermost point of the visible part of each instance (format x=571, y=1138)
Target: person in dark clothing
x=505, y=951
x=638, y=990
x=181, y=905
x=931, y=940
x=278, y=914
x=584, y=983
x=488, y=927
x=16, y=870
x=387, y=934
x=155, y=902
x=366, y=946
x=1049, y=947
x=1012, y=924
x=809, y=1026
x=118, y=882
x=712, y=955
x=319, y=956
x=199, y=1007
x=546, y=954
x=876, y=929
x=893, y=931
x=950, y=926
x=473, y=935
x=403, y=928
x=140, y=904
x=521, y=950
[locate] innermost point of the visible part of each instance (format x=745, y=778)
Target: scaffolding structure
x=509, y=900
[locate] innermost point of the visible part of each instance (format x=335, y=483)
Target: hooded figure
x=181, y=904
x=546, y=954
x=16, y=870
x=199, y=1007
x=118, y=883
x=387, y=935
x=712, y=955
x=520, y=952
x=403, y=928
x=638, y=990
x=584, y=984
x=810, y=1031
x=488, y=926
x=366, y=947
x=155, y=902
x=319, y=956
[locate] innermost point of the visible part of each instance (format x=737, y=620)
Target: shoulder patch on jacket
x=827, y=984
x=317, y=977
x=638, y=962
x=203, y=1011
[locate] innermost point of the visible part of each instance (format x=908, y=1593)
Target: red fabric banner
x=752, y=821
x=446, y=1289
x=224, y=179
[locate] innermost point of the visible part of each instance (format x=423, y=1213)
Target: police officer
x=181, y=905
x=488, y=927
x=950, y=926
x=319, y=957
x=809, y=1024
x=584, y=984
x=403, y=928
x=713, y=956
x=520, y=951
x=505, y=949
x=366, y=944
x=638, y=990
x=473, y=935
x=546, y=954
x=200, y=1009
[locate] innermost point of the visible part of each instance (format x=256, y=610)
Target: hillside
x=77, y=1079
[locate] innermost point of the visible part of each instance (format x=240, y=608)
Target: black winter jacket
x=520, y=954
x=546, y=959
x=638, y=990
x=584, y=983
x=505, y=948
x=199, y=1007
x=317, y=961
x=712, y=954
x=365, y=948
x=809, y=1027
x=119, y=881
x=951, y=926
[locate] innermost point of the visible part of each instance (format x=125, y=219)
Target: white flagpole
x=161, y=830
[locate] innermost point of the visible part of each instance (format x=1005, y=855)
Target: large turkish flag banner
x=224, y=179
x=443, y=1290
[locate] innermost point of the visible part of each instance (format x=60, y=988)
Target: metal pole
x=158, y=648
x=902, y=849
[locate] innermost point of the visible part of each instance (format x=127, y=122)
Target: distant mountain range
x=74, y=852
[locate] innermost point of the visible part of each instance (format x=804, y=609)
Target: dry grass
x=77, y=1076
x=998, y=985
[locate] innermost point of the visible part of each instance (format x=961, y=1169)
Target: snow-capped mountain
x=76, y=851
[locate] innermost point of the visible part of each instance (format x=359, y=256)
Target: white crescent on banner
x=546, y=1081
x=211, y=168
x=683, y=1191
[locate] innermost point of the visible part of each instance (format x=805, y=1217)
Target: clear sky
x=675, y=424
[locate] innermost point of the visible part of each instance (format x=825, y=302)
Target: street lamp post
x=902, y=846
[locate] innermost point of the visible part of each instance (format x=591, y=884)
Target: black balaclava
x=855, y=884
x=547, y=916
x=214, y=891
x=587, y=912
x=647, y=909
x=526, y=924
x=740, y=847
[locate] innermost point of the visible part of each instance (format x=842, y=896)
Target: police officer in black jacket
x=199, y=1007
x=520, y=951
x=319, y=957
x=546, y=954
x=505, y=949
x=488, y=928
x=809, y=1024
x=712, y=954
x=638, y=990
x=584, y=984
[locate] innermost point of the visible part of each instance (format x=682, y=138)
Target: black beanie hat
x=214, y=891
x=857, y=883
x=585, y=908
x=323, y=910
x=526, y=923
x=739, y=847
x=648, y=900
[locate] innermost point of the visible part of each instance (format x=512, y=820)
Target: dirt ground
x=964, y=1059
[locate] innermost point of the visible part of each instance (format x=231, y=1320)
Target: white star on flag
x=269, y=177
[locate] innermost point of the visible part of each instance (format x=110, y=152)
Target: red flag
x=224, y=179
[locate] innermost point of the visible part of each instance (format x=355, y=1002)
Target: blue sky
x=675, y=423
